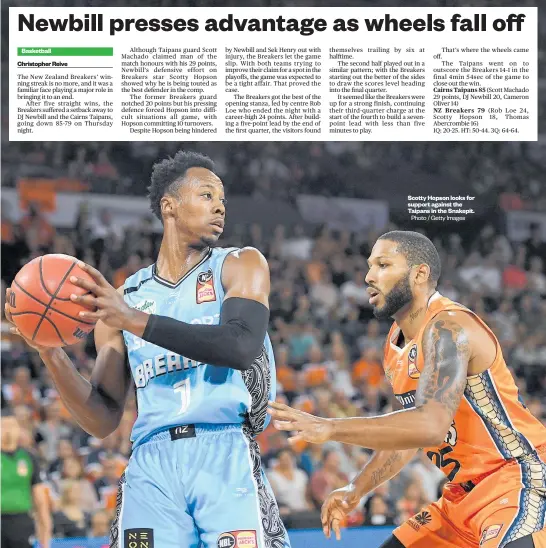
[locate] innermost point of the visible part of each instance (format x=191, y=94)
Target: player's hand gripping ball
x=39, y=302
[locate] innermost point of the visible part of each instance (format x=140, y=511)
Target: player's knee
x=524, y=542
x=392, y=542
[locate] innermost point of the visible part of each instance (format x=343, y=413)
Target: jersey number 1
x=183, y=387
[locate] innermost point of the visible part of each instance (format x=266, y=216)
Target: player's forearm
x=382, y=466
x=235, y=343
x=408, y=429
x=94, y=411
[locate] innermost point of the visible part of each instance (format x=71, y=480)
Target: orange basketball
x=40, y=301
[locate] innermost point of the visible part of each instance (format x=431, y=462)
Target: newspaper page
x=264, y=74
x=236, y=239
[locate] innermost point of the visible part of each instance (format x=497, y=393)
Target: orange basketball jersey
x=491, y=426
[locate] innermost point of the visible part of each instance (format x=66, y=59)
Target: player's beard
x=398, y=297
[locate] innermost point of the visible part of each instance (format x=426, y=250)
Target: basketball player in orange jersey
x=456, y=399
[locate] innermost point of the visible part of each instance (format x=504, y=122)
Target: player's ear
x=421, y=274
x=167, y=206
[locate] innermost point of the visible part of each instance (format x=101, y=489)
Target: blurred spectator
x=70, y=520
x=327, y=478
x=367, y=370
x=412, y=501
x=378, y=512
x=311, y=458
x=289, y=483
x=324, y=295
x=355, y=290
x=297, y=247
x=103, y=167
x=100, y=524
x=79, y=167
x=283, y=303
x=22, y=390
x=316, y=373
x=106, y=235
x=52, y=430
x=536, y=244
x=535, y=276
x=530, y=313
x=300, y=341
x=34, y=221
x=107, y=485
x=72, y=472
x=105, y=449
x=286, y=375
x=133, y=264
x=65, y=450
x=339, y=366
x=514, y=276
x=373, y=338
x=504, y=323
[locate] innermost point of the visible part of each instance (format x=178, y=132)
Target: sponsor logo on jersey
x=237, y=539
x=184, y=431
x=205, y=287
x=22, y=468
x=413, y=372
x=490, y=532
x=423, y=518
x=246, y=539
x=226, y=540
x=147, y=306
x=407, y=399
x=139, y=538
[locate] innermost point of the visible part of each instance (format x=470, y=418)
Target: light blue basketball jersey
x=173, y=390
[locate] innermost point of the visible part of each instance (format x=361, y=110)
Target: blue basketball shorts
x=197, y=486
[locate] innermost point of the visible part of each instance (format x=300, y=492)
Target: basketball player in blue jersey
x=193, y=327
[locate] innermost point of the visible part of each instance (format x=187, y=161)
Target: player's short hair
x=168, y=175
x=417, y=249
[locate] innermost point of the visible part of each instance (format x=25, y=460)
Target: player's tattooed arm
x=447, y=353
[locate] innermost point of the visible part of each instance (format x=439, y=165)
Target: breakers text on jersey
x=161, y=365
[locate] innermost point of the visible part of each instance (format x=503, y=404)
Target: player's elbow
x=101, y=434
x=439, y=427
x=101, y=426
x=435, y=426
x=101, y=430
x=434, y=438
x=242, y=356
x=242, y=347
